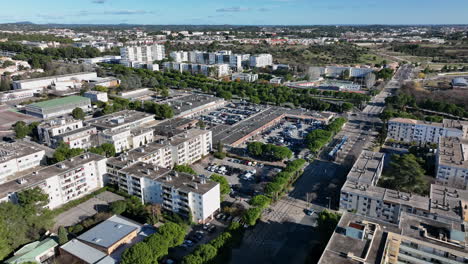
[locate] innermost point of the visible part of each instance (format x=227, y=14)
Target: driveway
x=99, y=203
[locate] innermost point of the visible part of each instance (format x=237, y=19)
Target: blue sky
x=239, y=12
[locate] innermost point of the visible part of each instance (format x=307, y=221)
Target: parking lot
x=231, y=114
x=246, y=179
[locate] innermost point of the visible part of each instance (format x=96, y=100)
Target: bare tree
x=369, y=80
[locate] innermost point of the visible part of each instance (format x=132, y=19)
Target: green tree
x=158, y=245
x=34, y=196
x=118, y=207
x=261, y=201
x=405, y=174
x=64, y=152
x=78, y=113
x=139, y=253
x=173, y=233
x=346, y=107
x=62, y=235
x=255, y=149
x=192, y=259
x=109, y=149
x=225, y=188
x=21, y=129
x=206, y=251
x=185, y=168
x=252, y=215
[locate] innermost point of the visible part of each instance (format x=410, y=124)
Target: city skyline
x=257, y=12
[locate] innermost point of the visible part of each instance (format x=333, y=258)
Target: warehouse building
x=58, y=107
x=42, y=83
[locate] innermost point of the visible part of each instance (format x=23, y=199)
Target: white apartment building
x=125, y=130
x=191, y=146
x=96, y=96
x=179, y=56
x=410, y=130
x=18, y=157
x=361, y=195
x=177, y=192
x=414, y=240
x=452, y=162
x=261, y=60
x=83, y=138
x=142, y=54
x=63, y=182
x=49, y=130
x=235, y=62
x=216, y=70
x=245, y=77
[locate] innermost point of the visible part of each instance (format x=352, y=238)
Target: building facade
x=18, y=157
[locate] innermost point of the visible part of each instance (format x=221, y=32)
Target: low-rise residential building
x=245, y=77
x=63, y=182
x=410, y=130
x=96, y=96
x=18, y=157
x=452, y=162
x=104, y=243
x=177, y=192
x=58, y=107
x=84, y=138
x=35, y=252
x=49, y=130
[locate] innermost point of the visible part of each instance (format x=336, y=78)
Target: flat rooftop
x=187, y=135
x=365, y=168
x=407, y=199
x=449, y=202
x=146, y=170
x=189, y=102
x=58, y=122
x=453, y=152
x=110, y=231
x=370, y=248
x=178, y=180
x=174, y=126
x=135, y=154
x=37, y=177
x=15, y=150
x=414, y=122
x=118, y=119
x=74, y=99
x=438, y=233
x=374, y=192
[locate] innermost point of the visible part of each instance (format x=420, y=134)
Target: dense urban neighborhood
x=233, y=144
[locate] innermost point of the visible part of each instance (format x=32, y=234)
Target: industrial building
x=96, y=96
x=193, y=105
x=68, y=80
x=58, y=107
